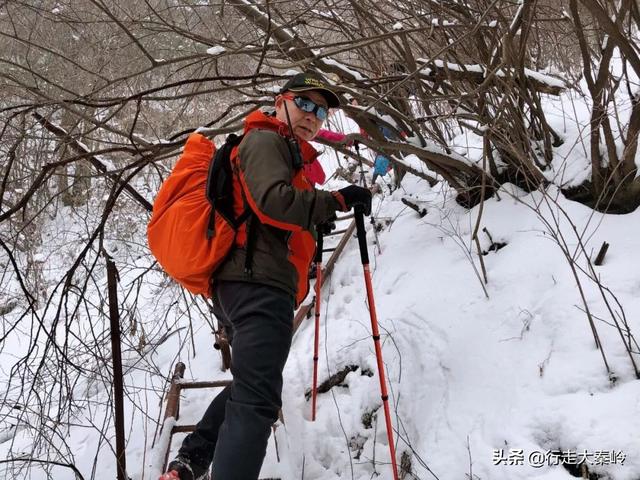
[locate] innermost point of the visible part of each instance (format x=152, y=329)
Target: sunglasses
x=309, y=106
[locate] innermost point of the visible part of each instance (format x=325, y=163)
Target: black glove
x=354, y=196
x=326, y=227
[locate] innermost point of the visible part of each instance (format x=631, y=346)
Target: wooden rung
x=183, y=429
x=217, y=383
x=336, y=232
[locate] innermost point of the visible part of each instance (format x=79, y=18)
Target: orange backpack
x=193, y=226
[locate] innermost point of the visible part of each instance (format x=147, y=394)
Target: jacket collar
x=261, y=120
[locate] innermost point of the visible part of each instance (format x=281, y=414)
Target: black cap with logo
x=303, y=82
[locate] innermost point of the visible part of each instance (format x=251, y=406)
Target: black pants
x=234, y=431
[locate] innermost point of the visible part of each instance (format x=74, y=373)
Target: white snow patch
x=216, y=50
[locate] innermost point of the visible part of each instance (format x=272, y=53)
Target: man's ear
x=279, y=100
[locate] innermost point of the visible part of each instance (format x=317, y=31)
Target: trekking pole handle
x=362, y=234
x=320, y=245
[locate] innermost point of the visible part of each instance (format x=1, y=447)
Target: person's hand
x=350, y=138
x=326, y=227
x=354, y=196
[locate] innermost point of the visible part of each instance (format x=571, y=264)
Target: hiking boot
x=181, y=468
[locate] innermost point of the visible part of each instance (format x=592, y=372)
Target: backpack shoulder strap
x=219, y=189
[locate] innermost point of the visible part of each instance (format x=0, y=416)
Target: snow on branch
x=541, y=81
x=216, y=50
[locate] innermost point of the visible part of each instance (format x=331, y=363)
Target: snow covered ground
x=475, y=380
x=498, y=385
x=476, y=383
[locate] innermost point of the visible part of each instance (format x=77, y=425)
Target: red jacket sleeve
x=330, y=136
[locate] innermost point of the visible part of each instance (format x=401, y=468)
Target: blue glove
x=381, y=165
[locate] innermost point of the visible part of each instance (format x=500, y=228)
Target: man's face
x=305, y=124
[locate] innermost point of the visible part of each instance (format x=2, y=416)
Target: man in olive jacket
x=265, y=277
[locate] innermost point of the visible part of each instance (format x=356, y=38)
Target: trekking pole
x=363, y=179
x=364, y=255
x=364, y=184
x=316, y=340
